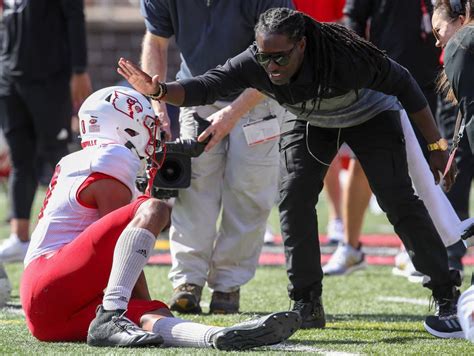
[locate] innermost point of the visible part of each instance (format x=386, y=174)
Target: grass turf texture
x=361, y=318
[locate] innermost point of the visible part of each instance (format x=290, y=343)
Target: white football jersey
x=62, y=217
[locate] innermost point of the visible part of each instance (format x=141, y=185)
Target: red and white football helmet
x=119, y=115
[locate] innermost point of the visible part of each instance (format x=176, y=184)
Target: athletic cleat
x=113, y=329
x=311, y=312
x=186, y=298
x=267, y=330
x=13, y=249
x=225, y=303
x=445, y=323
x=344, y=260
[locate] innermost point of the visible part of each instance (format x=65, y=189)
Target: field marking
x=9, y=322
x=306, y=348
x=414, y=301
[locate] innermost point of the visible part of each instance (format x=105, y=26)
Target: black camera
x=175, y=171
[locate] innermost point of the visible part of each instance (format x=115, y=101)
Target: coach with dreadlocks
x=342, y=89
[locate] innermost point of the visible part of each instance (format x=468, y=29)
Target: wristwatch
x=440, y=145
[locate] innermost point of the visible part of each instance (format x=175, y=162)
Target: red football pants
x=60, y=294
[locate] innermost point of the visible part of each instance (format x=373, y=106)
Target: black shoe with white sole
x=267, y=330
x=445, y=323
x=113, y=329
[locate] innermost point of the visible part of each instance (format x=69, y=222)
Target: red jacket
x=321, y=10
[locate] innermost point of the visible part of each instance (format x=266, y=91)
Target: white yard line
x=415, y=301
x=306, y=348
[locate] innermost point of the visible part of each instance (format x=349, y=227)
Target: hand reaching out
x=221, y=125
x=137, y=78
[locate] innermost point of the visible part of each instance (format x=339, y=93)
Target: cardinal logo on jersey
x=126, y=104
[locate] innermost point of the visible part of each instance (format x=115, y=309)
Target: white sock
x=130, y=257
x=440, y=209
x=177, y=332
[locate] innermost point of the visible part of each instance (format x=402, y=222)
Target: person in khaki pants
x=235, y=176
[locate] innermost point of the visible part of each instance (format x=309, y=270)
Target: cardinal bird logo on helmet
x=129, y=107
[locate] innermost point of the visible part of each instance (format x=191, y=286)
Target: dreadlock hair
x=324, y=42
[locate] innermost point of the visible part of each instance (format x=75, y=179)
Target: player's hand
x=137, y=78
x=221, y=125
x=438, y=161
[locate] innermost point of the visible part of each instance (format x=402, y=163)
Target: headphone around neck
x=456, y=7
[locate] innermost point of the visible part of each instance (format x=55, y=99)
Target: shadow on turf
x=393, y=340
x=334, y=318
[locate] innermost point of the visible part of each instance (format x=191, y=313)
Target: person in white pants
x=241, y=180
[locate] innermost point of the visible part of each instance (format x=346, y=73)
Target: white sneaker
x=335, y=231
x=404, y=268
x=346, y=259
x=13, y=249
x=269, y=237
x=5, y=287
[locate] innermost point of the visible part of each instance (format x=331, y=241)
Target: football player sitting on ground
x=92, y=235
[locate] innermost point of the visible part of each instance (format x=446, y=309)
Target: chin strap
x=132, y=147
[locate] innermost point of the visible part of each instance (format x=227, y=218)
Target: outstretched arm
x=148, y=85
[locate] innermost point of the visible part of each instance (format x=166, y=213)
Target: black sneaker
x=112, y=328
x=445, y=323
x=267, y=330
x=312, y=313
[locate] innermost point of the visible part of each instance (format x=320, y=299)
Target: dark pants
x=379, y=146
x=460, y=191
x=35, y=119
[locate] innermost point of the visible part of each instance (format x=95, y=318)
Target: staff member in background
x=453, y=25
x=227, y=177
x=43, y=61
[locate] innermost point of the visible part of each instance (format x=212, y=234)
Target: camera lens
x=171, y=171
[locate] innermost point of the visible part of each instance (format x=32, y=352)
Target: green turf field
x=368, y=312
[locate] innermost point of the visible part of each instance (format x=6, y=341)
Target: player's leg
x=66, y=283
x=131, y=253
x=266, y=330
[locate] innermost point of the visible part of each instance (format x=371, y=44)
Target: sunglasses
x=281, y=58
x=436, y=34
